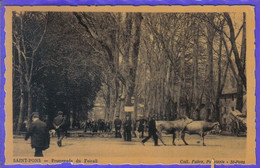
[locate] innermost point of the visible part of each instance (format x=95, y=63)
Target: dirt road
x=96, y=147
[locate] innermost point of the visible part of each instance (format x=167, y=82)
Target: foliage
x=170, y=63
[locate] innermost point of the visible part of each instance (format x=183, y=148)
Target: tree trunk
x=21, y=112
x=219, y=90
x=243, y=45
x=135, y=107
x=195, y=73
x=210, y=38
x=21, y=85
x=112, y=99
x=133, y=57
x=210, y=81
x=180, y=87
x=240, y=88
x=239, y=102
x=29, y=104
x=107, y=100
x=235, y=49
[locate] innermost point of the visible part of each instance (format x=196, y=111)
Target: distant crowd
x=97, y=126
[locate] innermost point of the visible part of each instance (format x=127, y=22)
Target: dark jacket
x=39, y=133
x=128, y=125
x=59, y=121
x=152, y=126
x=141, y=124
x=118, y=123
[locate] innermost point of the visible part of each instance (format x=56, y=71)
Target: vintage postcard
x=130, y=85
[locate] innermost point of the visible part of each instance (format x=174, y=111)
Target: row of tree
x=170, y=63
x=53, y=68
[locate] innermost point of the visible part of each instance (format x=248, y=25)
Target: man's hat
x=35, y=115
x=117, y=116
x=60, y=112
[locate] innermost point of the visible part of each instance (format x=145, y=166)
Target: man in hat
x=118, y=124
x=59, y=125
x=151, y=132
x=39, y=133
x=127, y=128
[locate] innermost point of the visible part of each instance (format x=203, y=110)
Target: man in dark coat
x=127, y=128
x=101, y=125
x=39, y=133
x=87, y=125
x=151, y=132
x=118, y=124
x=59, y=124
x=141, y=127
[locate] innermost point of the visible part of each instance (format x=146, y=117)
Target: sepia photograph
x=140, y=85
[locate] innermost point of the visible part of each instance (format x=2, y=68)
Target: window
x=233, y=108
x=232, y=97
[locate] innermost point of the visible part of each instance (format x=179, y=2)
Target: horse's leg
x=160, y=137
x=178, y=135
x=183, y=138
x=159, y=133
x=203, y=139
x=173, y=138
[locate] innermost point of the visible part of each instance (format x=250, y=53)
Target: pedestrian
x=101, y=125
x=59, y=124
x=39, y=133
x=151, y=132
x=141, y=127
x=127, y=128
x=118, y=124
x=107, y=126
x=94, y=127
x=87, y=125
x=134, y=128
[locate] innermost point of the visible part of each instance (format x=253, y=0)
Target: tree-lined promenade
x=170, y=64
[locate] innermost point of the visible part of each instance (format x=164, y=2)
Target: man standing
x=151, y=132
x=59, y=125
x=39, y=133
x=118, y=124
x=127, y=129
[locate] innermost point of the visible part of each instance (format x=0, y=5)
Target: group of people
x=40, y=137
x=39, y=132
x=127, y=127
x=97, y=126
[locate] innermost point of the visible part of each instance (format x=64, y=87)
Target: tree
x=210, y=39
x=171, y=63
x=110, y=51
x=28, y=32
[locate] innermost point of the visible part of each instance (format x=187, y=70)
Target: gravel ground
x=216, y=147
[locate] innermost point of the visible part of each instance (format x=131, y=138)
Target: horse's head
x=216, y=127
x=187, y=120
